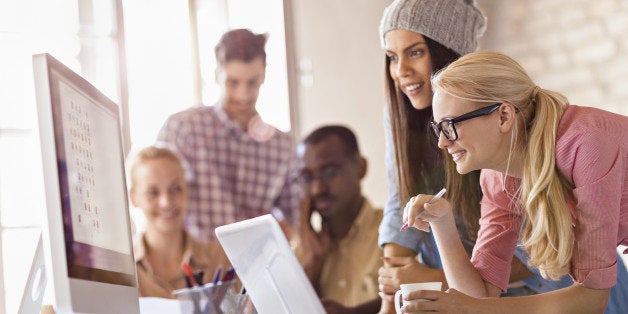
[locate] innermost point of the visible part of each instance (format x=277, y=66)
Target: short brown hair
x=240, y=44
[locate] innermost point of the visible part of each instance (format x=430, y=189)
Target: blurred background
x=325, y=65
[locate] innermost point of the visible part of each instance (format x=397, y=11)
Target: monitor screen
x=88, y=225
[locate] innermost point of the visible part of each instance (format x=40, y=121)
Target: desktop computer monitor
x=88, y=244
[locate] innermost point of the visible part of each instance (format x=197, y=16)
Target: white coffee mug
x=405, y=289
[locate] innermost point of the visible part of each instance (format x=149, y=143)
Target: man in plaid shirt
x=240, y=167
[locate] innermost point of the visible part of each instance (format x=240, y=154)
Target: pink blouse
x=592, y=154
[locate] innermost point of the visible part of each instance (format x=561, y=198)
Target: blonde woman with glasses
x=554, y=180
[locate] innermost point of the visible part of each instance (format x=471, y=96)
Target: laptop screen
x=267, y=267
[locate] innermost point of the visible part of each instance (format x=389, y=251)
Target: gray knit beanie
x=456, y=24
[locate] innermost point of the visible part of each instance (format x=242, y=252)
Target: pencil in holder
x=237, y=303
x=205, y=299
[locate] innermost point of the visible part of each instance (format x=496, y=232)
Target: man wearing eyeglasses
x=341, y=256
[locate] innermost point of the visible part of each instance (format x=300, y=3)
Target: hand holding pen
x=410, y=210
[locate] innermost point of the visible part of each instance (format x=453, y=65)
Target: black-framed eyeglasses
x=448, y=126
x=325, y=174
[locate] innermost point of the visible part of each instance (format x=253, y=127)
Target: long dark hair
x=419, y=165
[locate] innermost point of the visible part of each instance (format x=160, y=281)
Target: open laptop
x=267, y=267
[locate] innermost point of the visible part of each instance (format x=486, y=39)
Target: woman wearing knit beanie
x=554, y=178
x=421, y=37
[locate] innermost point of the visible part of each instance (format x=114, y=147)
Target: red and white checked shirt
x=233, y=176
x=591, y=153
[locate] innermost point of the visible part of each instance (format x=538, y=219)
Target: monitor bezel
x=72, y=294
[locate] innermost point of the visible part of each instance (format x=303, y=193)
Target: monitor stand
x=35, y=284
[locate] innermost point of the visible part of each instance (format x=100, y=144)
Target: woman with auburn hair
x=554, y=177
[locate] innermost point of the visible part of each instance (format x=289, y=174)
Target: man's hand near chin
x=313, y=246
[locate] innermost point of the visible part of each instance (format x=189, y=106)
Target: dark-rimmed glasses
x=325, y=174
x=448, y=126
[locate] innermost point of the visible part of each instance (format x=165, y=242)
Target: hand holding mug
x=405, y=289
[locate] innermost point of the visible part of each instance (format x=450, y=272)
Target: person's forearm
x=427, y=273
x=573, y=299
x=435, y=275
x=312, y=271
x=393, y=249
x=311, y=265
x=457, y=266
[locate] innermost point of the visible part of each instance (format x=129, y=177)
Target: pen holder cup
x=205, y=299
x=238, y=304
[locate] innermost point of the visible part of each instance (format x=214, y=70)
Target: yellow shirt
x=349, y=274
x=199, y=255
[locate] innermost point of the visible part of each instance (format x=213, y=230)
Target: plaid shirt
x=233, y=176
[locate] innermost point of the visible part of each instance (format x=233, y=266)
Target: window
x=86, y=42
x=170, y=53
x=166, y=50
x=171, y=63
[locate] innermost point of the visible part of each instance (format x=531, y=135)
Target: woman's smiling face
x=161, y=192
x=410, y=65
x=481, y=144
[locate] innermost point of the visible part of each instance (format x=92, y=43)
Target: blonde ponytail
x=547, y=234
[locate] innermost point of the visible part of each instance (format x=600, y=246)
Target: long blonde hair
x=490, y=77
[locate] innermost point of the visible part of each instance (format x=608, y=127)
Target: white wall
x=576, y=47
x=340, y=69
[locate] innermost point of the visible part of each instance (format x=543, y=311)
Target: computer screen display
x=88, y=228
